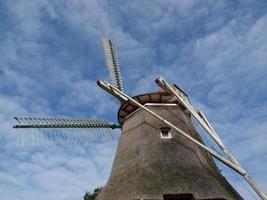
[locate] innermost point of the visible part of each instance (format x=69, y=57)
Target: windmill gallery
x=160, y=155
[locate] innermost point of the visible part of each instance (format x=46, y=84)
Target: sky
x=51, y=56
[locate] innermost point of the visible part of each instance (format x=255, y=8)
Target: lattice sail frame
x=112, y=63
x=44, y=131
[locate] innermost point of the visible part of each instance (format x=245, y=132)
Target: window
x=165, y=133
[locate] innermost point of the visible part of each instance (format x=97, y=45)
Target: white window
x=165, y=133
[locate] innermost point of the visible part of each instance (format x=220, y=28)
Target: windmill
x=160, y=154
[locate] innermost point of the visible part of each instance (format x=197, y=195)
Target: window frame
x=164, y=136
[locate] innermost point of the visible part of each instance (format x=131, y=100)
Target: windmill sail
x=112, y=63
x=43, y=131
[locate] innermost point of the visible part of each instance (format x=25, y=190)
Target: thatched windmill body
x=160, y=155
x=156, y=162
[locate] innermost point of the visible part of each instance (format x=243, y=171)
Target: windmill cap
x=159, y=96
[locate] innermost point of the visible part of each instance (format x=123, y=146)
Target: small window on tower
x=165, y=133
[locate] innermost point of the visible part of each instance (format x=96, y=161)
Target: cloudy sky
x=51, y=56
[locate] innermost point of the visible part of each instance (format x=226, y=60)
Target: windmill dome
x=159, y=96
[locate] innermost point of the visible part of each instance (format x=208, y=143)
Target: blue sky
x=51, y=56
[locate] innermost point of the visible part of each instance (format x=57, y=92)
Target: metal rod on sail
x=204, y=123
x=28, y=122
x=213, y=153
x=218, y=141
x=114, y=93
